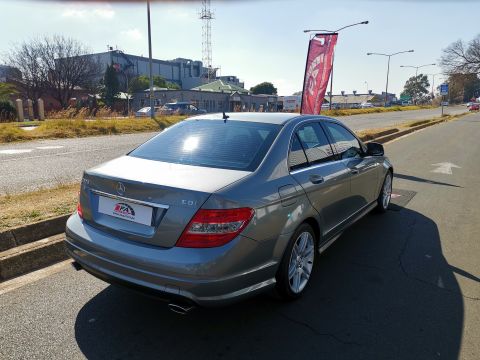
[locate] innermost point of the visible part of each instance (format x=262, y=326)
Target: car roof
x=267, y=118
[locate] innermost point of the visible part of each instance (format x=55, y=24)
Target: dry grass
x=347, y=112
x=370, y=134
x=27, y=208
x=71, y=128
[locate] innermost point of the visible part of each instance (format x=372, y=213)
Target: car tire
x=296, y=267
x=385, y=195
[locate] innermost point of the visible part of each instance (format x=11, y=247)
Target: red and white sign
x=317, y=72
x=125, y=210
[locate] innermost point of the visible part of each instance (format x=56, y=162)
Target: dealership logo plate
x=125, y=210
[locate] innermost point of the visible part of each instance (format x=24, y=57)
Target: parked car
x=145, y=111
x=221, y=207
x=474, y=107
x=180, y=108
x=366, y=105
x=327, y=107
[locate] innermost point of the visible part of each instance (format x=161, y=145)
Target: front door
x=363, y=169
x=325, y=180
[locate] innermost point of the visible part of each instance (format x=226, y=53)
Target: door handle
x=316, y=179
x=354, y=171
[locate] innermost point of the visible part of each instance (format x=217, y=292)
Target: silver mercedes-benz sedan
x=220, y=207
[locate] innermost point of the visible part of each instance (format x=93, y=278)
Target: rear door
x=325, y=180
x=363, y=169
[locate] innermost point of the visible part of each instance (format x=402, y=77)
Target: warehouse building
x=217, y=96
x=186, y=73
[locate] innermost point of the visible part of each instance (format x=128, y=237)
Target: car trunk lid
x=148, y=201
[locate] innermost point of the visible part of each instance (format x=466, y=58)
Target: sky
x=260, y=40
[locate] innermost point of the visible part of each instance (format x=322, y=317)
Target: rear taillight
x=211, y=228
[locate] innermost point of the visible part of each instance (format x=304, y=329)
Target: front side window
x=316, y=144
x=346, y=144
x=236, y=145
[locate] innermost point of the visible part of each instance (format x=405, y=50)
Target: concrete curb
x=26, y=258
x=396, y=135
x=32, y=232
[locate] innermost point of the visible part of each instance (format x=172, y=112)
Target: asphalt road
x=401, y=285
x=379, y=120
x=41, y=164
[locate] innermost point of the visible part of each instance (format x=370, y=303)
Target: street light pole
x=388, y=68
x=366, y=82
x=128, y=95
x=331, y=84
x=433, y=83
x=386, y=86
x=417, y=67
x=333, y=54
x=152, y=108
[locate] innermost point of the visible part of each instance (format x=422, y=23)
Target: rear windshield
x=237, y=145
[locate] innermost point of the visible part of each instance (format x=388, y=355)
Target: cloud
x=132, y=34
x=86, y=13
x=74, y=13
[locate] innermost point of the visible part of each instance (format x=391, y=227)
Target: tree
x=7, y=90
x=417, y=88
x=26, y=58
x=462, y=58
x=111, y=86
x=7, y=110
x=142, y=82
x=55, y=65
x=264, y=88
x=463, y=87
x=139, y=83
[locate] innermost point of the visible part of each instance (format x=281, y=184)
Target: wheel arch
x=315, y=226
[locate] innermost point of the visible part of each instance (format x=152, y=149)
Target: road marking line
x=49, y=147
x=444, y=168
x=15, y=151
x=60, y=154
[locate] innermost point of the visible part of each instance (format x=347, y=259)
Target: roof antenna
x=225, y=117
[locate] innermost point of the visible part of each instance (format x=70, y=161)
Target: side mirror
x=375, y=149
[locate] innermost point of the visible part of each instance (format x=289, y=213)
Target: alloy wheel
x=387, y=191
x=301, y=262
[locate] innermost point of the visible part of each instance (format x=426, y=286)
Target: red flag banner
x=317, y=72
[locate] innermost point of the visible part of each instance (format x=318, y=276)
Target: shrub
x=7, y=111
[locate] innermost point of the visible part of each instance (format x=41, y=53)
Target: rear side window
x=296, y=157
x=347, y=145
x=316, y=144
x=236, y=145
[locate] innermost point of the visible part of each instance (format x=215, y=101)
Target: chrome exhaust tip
x=182, y=309
x=76, y=266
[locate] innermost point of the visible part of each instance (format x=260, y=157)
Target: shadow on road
x=382, y=291
x=418, y=179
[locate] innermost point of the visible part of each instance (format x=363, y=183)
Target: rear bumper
x=207, y=277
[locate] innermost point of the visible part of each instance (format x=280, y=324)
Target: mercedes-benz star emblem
x=120, y=189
